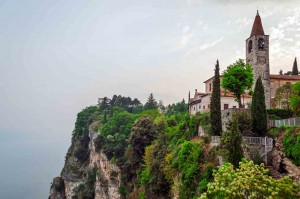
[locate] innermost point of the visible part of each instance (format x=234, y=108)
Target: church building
x=257, y=55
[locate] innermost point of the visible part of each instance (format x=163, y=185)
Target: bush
x=82, y=153
x=291, y=144
x=279, y=113
x=249, y=181
x=244, y=120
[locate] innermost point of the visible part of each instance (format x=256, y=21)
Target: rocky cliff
x=281, y=164
x=86, y=173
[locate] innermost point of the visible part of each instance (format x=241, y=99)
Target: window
x=226, y=106
x=194, y=108
x=208, y=106
x=261, y=44
x=203, y=107
x=234, y=107
x=209, y=87
x=288, y=82
x=250, y=46
x=200, y=107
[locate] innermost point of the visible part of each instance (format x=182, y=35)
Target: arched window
x=250, y=46
x=261, y=44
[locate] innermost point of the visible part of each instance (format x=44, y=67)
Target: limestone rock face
x=107, y=178
x=282, y=164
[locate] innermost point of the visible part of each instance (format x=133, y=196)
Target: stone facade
x=257, y=55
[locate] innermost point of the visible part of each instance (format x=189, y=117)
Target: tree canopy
x=237, y=79
x=295, y=99
x=282, y=96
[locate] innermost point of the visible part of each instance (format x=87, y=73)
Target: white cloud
x=202, y=47
x=282, y=41
x=185, y=37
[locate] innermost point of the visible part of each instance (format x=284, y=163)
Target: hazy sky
x=56, y=57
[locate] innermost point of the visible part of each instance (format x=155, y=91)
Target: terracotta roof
x=229, y=94
x=285, y=77
x=257, y=28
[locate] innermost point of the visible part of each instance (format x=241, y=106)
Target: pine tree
x=295, y=68
x=258, y=109
x=151, y=103
x=215, y=104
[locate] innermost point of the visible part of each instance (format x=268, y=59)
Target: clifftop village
x=240, y=139
x=257, y=55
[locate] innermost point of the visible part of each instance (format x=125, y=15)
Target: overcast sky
x=56, y=57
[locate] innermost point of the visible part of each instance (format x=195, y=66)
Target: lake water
x=29, y=162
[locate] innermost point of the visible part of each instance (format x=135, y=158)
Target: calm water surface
x=28, y=162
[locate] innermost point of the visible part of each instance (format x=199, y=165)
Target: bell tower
x=257, y=55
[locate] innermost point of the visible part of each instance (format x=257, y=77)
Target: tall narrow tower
x=257, y=55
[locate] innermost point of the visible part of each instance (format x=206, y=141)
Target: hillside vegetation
x=161, y=156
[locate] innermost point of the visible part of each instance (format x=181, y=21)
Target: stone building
x=257, y=55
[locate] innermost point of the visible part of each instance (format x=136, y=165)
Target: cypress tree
x=295, y=68
x=215, y=104
x=258, y=109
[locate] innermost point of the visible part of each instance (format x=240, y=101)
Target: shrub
x=244, y=120
x=291, y=144
x=249, y=181
x=279, y=113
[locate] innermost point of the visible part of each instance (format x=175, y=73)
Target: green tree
x=178, y=108
x=142, y=134
x=232, y=141
x=282, y=96
x=151, y=103
x=295, y=68
x=215, y=104
x=249, y=181
x=295, y=99
x=258, y=109
x=114, y=134
x=237, y=79
x=161, y=107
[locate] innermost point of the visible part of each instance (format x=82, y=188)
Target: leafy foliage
x=291, y=144
x=82, y=153
x=215, y=104
x=232, y=140
x=295, y=99
x=282, y=96
x=279, y=113
x=177, y=108
x=188, y=162
x=258, y=109
x=249, y=181
x=244, y=121
x=84, y=118
x=114, y=133
x=142, y=134
x=237, y=79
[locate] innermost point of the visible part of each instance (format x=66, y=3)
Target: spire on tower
x=257, y=28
